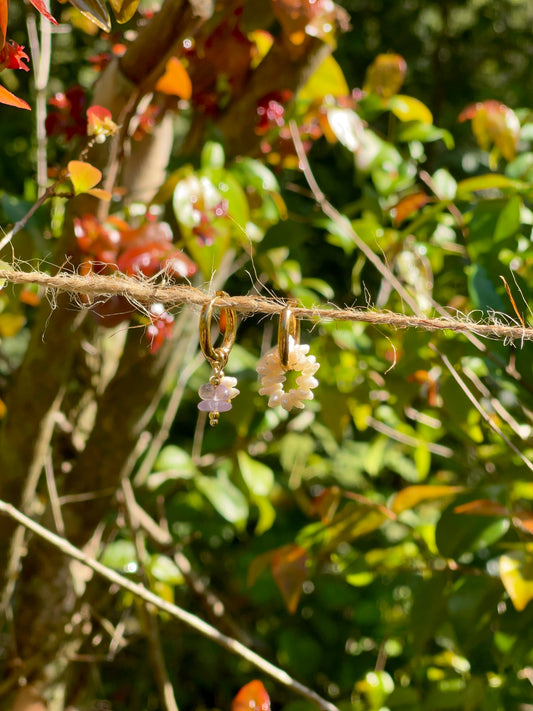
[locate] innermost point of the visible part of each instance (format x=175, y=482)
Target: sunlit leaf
x=516, y=573
x=407, y=108
x=258, y=477
x=327, y=80
x=94, y=10
x=252, y=697
x=494, y=123
x=123, y=9
x=289, y=569
x=486, y=182
x=346, y=126
x=164, y=569
x=411, y=496
x=385, y=75
x=175, y=81
x=120, y=555
x=6, y=97
x=224, y=496
x=84, y=176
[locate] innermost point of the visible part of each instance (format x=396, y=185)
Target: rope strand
x=143, y=292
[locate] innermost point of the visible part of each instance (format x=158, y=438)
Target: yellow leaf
x=516, y=573
x=385, y=75
x=327, y=80
x=407, y=108
x=123, y=9
x=413, y=495
x=84, y=176
x=10, y=324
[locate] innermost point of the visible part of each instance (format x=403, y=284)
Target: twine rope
x=143, y=292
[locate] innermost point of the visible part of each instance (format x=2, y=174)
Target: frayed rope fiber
x=144, y=292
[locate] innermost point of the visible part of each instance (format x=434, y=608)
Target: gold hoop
x=289, y=326
x=217, y=355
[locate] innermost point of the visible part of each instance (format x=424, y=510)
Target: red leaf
x=252, y=697
x=6, y=97
x=289, y=569
x=41, y=7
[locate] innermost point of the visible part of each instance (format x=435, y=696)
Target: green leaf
x=164, y=569
x=258, y=477
x=482, y=290
x=509, y=221
x=490, y=181
x=171, y=464
x=457, y=534
x=120, y=555
x=224, y=496
x=445, y=184
x=212, y=155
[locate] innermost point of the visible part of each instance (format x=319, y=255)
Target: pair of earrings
x=288, y=355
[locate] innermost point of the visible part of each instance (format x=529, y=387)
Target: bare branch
x=178, y=613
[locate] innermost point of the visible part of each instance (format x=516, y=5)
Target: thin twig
x=464, y=387
x=178, y=613
x=150, y=622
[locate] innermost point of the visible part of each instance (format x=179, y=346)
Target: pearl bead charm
x=272, y=376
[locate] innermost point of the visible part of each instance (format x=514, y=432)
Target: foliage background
x=395, y=597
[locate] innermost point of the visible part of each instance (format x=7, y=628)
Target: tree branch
x=178, y=613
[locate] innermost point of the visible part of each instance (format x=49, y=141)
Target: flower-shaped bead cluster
x=272, y=376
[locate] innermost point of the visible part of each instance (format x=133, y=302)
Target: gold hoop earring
x=287, y=355
x=217, y=393
x=288, y=328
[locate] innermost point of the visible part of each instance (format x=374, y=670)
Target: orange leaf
x=84, y=176
x=175, y=81
x=482, y=507
x=408, y=205
x=3, y=21
x=289, y=569
x=252, y=697
x=100, y=194
x=524, y=521
x=6, y=97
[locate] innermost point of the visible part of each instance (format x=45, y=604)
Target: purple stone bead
x=209, y=392
x=214, y=406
